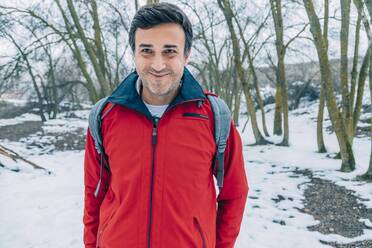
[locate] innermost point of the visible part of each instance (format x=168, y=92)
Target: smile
x=158, y=75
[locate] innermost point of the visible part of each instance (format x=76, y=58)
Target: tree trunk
x=366, y=61
x=136, y=5
x=369, y=8
x=258, y=94
x=276, y=10
x=347, y=156
x=105, y=90
x=361, y=82
x=33, y=78
x=227, y=11
x=284, y=98
x=52, y=79
x=300, y=94
x=39, y=97
x=252, y=71
x=237, y=108
x=319, y=125
x=344, y=42
x=93, y=96
x=278, y=111
x=105, y=85
x=368, y=174
x=237, y=97
x=354, y=71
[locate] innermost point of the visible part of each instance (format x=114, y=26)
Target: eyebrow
x=170, y=46
x=165, y=46
x=145, y=45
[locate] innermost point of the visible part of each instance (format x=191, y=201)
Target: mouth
x=159, y=75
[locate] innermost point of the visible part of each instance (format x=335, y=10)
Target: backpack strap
x=222, y=121
x=95, y=123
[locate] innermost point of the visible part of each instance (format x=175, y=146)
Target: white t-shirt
x=156, y=110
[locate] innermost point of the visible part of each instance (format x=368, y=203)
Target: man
x=158, y=138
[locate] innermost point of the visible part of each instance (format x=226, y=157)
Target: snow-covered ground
x=269, y=170
x=43, y=211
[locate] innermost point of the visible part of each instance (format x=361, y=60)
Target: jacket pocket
x=102, y=229
x=196, y=115
x=204, y=243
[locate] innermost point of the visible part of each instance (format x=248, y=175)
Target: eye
x=146, y=50
x=170, y=51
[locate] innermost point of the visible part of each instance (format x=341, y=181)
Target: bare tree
x=249, y=54
x=308, y=77
x=367, y=24
x=24, y=55
x=276, y=10
x=87, y=34
x=214, y=61
x=346, y=152
x=344, y=42
x=368, y=174
x=358, y=88
x=225, y=6
x=320, y=117
x=136, y=4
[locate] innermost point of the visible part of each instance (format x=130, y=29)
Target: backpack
x=222, y=119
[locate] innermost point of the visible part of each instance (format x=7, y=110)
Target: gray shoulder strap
x=222, y=121
x=95, y=123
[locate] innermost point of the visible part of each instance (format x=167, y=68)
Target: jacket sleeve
x=233, y=195
x=91, y=203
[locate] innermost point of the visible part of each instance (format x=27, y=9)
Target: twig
x=15, y=156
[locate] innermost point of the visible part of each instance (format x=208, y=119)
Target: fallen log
x=15, y=157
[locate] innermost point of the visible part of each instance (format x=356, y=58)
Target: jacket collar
x=126, y=93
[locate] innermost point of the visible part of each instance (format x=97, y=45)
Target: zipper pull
x=155, y=121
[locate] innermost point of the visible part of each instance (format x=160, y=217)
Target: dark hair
x=151, y=15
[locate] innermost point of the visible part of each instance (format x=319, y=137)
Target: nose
x=158, y=63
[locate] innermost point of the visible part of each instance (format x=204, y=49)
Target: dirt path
x=32, y=134
x=21, y=130
x=337, y=209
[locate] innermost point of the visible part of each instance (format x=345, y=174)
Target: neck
x=157, y=100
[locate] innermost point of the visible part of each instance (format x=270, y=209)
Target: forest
x=296, y=75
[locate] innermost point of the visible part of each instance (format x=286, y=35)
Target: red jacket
x=161, y=191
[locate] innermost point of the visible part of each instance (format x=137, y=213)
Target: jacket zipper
x=155, y=121
x=200, y=232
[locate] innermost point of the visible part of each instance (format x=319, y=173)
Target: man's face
x=160, y=59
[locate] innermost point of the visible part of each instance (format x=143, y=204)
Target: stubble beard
x=161, y=91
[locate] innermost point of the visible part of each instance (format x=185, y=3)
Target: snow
x=258, y=228
x=43, y=210
x=15, y=102
x=40, y=210
x=60, y=125
x=19, y=119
